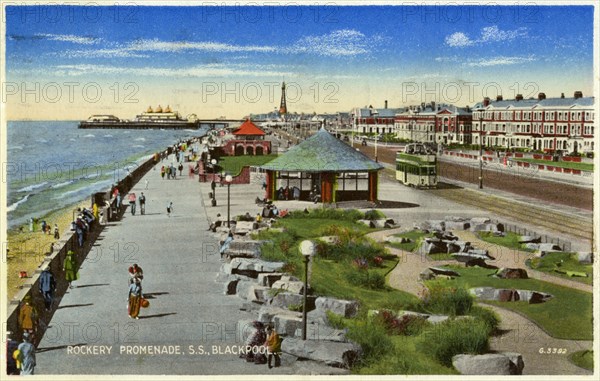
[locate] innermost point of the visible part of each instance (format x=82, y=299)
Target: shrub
x=373, y=339
x=445, y=340
x=367, y=279
x=329, y=213
x=447, y=300
x=489, y=317
x=408, y=325
x=374, y=214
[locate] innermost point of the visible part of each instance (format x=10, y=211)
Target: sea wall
x=68, y=242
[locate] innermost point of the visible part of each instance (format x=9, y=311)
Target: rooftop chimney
x=432, y=106
x=562, y=95
x=541, y=96
x=519, y=97
x=498, y=98
x=385, y=104
x=578, y=94
x=486, y=102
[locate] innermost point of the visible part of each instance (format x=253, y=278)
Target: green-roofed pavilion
x=323, y=165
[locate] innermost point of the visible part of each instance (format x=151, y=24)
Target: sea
x=53, y=164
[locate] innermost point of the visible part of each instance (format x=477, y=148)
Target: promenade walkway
x=180, y=262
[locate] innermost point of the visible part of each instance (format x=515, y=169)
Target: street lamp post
x=376, y=149
x=228, y=180
x=307, y=249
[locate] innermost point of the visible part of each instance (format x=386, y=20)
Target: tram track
x=547, y=192
x=518, y=211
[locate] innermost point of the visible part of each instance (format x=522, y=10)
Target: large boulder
x=434, y=246
x=457, y=225
x=345, y=308
x=287, y=324
x=244, y=249
x=548, y=248
x=324, y=332
x=294, y=287
x=287, y=300
x=267, y=279
x=252, y=292
x=341, y=355
x=585, y=257
x=489, y=364
x=252, y=267
x=394, y=239
x=530, y=239
x=267, y=314
x=243, y=227
x=511, y=273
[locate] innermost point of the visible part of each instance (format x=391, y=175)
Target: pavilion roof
x=322, y=152
x=248, y=129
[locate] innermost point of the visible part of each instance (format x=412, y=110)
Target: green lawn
x=510, y=240
x=568, y=315
x=234, y=164
x=583, y=359
x=563, y=261
x=562, y=164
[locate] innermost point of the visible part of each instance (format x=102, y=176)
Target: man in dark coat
x=47, y=287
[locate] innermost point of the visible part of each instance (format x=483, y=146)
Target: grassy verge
x=510, y=240
x=564, y=262
x=568, y=315
x=583, y=359
x=561, y=164
x=234, y=164
x=346, y=270
x=416, y=238
x=28, y=250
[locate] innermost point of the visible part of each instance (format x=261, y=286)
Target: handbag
x=145, y=303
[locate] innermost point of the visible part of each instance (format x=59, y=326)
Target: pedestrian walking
x=56, y=232
x=26, y=355
x=180, y=169
x=253, y=344
x=69, y=267
x=142, y=200
x=47, y=286
x=31, y=224
x=273, y=344
x=146, y=183
x=132, y=200
x=162, y=172
x=11, y=356
x=135, y=298
x=28, y=316
x=169, y=209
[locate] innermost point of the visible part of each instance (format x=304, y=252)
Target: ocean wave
x=14, y=206
x=126, y=132
x=140, y=139
x=89, y=136
x=97, y=186
x=60, y=185
x=108, y=136
x=73, y=140
x=15, y=148
x=41, y=140
x=29, y=188
x=138, y=146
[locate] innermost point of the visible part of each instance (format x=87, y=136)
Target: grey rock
x=510, y=273
x=267, y=279
x=287, y=324
x=322, y=332
x=529, y=239
x=549, y=247
x=457, y=225
x=480, y=220
x=585, y=257
x=230, y=287
x=489, y=364
x=286, y=299
x=252, y=267
x=345, y=308
x=341, y=355
x=295, y=287
x=243, y=227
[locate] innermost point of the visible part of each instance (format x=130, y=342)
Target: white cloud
x=69, y=38
x=101, y=53
x=458, y=39
x=157, y=45
x=211, y=70
x=339, y=43
x=499, y=61
x=487, y=35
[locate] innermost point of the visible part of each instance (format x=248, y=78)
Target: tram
x=416, y=166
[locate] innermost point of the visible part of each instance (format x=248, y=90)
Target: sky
x=69, y=62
